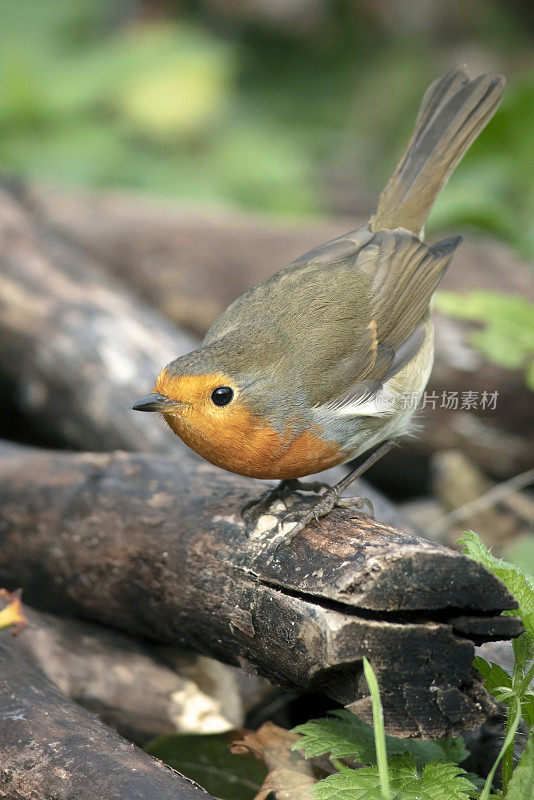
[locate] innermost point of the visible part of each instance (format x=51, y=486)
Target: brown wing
x=404, y=274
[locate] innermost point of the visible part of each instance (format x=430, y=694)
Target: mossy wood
x=156, y=547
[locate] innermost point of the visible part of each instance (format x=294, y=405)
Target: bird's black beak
x=152, y=402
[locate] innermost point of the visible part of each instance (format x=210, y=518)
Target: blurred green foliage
x=521, y=553
x=242, y=111
x=506, y=337
x=494, y=189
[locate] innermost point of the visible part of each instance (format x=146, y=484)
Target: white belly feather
x=389, y=411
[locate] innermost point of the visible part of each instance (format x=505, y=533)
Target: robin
x=312, y=367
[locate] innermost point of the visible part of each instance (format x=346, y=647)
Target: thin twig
x=487, y=500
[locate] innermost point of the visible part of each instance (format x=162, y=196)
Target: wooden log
x=156, y=548
x=52, y=748
x=191, y=264
x=140, y=689
x=75, y=347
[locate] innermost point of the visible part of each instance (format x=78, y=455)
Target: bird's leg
x=332, y=497
x=254, y=509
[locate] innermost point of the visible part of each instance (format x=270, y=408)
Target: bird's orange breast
x=249, y=446
x=241, y=441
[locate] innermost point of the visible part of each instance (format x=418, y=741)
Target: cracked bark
x=155, y=546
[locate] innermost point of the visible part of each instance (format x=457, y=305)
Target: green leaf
x=495, y=677
x=342, y=734
x=523, y=647
x=503, y=687
x=349, y=784
x=206, y=758
x=507, y=338
x=519, y=584
x=527, y=709
x=521, y=785
x=528, y=621
x=508, y=742
x=437, y=781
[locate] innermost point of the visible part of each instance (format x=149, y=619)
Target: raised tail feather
x=454, y=111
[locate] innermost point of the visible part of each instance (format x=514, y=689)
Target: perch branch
x=155, y=546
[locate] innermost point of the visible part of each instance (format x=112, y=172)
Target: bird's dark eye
x=222, y=395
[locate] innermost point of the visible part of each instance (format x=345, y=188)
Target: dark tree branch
x=52, y=748
x=75, y=347
x=156, y=547
x=139, y=688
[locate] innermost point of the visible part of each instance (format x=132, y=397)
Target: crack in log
x=406, y=617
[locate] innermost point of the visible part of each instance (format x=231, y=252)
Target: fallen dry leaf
x=12, y=613
x=290, y=775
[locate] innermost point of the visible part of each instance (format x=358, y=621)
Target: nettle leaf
x=437, y=781
x=528, y=622
x=342, y=734
x=518, y=583
x=504, y=688
x=342, y=786
x=495, y=677
x=349, y=784
x=523, y=648
x=521, y=785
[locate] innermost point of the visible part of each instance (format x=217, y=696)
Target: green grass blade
x=380, y=734
x=508, y=741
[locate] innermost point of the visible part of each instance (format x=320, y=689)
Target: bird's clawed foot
x=298, y=519
x=329, y=500
x=254, y=509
